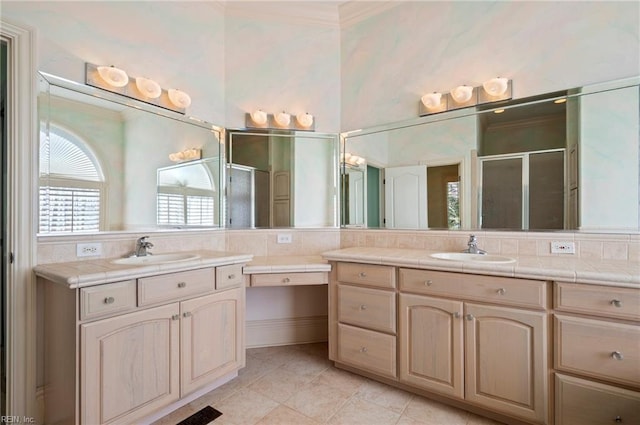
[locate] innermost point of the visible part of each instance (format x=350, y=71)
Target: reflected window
x=71, y=184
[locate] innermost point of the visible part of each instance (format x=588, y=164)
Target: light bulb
x=432, y=100
x=148, y=88
x=305, y=120
x=283, y=119
x=113, y=76
x=496, y=86
x=179, y=98
x=259, y=117
x=462, y=94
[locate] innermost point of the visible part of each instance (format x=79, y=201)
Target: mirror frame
x=479, y=110
x=53, y=80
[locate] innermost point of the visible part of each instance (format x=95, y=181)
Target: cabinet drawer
x=227, y=276
x=597, y=348
x=367, y=350
x=623, y=303
x=583, y=402
x=288, y=279
x=102, y=300
x=175, y=286
x=367, y=274
x=369, y=308
x=499, y=290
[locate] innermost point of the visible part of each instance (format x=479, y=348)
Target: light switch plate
x=92, y=249
x=563, y=247
x=284, y=238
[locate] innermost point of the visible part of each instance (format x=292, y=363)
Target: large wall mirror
x=564, y=161
x=281, y=179
x=100, y=156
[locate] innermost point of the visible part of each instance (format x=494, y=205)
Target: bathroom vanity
x=124, y=341
x=528, y=342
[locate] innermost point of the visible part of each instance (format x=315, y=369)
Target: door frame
x=22, y=181
x=463, y=174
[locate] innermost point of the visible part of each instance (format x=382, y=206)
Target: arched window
x=71, y=184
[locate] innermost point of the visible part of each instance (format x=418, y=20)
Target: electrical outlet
x=563, y=247
x=92, y=249
x=284, y=238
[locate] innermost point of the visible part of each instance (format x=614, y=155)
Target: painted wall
x=389, y=61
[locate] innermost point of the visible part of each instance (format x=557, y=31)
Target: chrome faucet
x=142, y=245
x=472, y=246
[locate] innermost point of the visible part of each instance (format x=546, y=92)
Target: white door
x=356, y=197
x=405, y=192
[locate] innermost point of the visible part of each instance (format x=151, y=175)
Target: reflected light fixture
x=186, y=155
x=305, y=120
x=496, y=86
x=148, y=88
x=498, y=111
x=113, y=76
x=562, y=100
x=282, y=119
x=462, y=94
x=179, y=98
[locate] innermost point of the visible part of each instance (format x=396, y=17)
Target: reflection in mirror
x=281, y=179
x=188, y=194
x=99, y=156
x=564, y=161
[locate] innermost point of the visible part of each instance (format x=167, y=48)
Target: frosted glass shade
x=462, y=94
x=496, y=86
x=148, y=88
x=179, y=98
x=259, y=117
x=431, y=100
x=305, y=120
x=283, y=119
x=113, y=76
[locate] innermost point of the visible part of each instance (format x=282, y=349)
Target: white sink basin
x=157, y=259
x=479, y=258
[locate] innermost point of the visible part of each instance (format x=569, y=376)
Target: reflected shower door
x=502, y=194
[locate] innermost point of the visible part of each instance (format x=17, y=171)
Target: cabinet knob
x=182, y=284
x=469, y=317
x=501, y=291
x=616, y=303
x=455, y=315
x=175, y=317
x=363, y=307
x=362, y=274
x=363, y=350
x=286, y=280
x=186, y=314
x=231, y=276
x=618, y=419
x=617, y=355
x=109, y=300
x=428, y=282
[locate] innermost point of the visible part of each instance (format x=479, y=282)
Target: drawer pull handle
x=109, y=300
x=429, y=282
x=455, y=315
x=362, y=274
x=286, y=280
x=231, y=276
x=501, y=291
x=616, y=303
x=469, y=317
x=617, y=355
x=186, y=314
x=363, y=307
x=175, y=317
x=182, y=284
x=363, y=350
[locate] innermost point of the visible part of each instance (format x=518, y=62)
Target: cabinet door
x=129, y=365
x=212, y=338
x=506, y=361
x=431, y=344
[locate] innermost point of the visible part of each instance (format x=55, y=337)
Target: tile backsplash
x=264, y=242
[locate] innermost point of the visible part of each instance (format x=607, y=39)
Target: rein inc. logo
x=15, y=419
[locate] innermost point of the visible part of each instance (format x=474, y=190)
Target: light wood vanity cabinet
x=597, y=338
x=180, y=335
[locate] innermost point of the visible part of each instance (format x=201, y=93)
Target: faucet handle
x=473, y=238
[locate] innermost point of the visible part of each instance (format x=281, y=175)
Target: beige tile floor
x=298, y=385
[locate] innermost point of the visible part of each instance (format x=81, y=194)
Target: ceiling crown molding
x=353, y=11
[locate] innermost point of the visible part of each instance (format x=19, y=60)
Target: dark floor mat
x=202, y=417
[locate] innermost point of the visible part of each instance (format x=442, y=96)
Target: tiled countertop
x=287, y=264
x=92, y=272
x=566, y=269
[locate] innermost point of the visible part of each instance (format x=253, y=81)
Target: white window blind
x=182, y=209
x=69, y=209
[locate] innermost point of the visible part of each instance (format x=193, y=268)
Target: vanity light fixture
x=148, y=88
x=145, y=90
x=113, y=76
x=280, y=121
x=186, y=155
x=464, y=96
